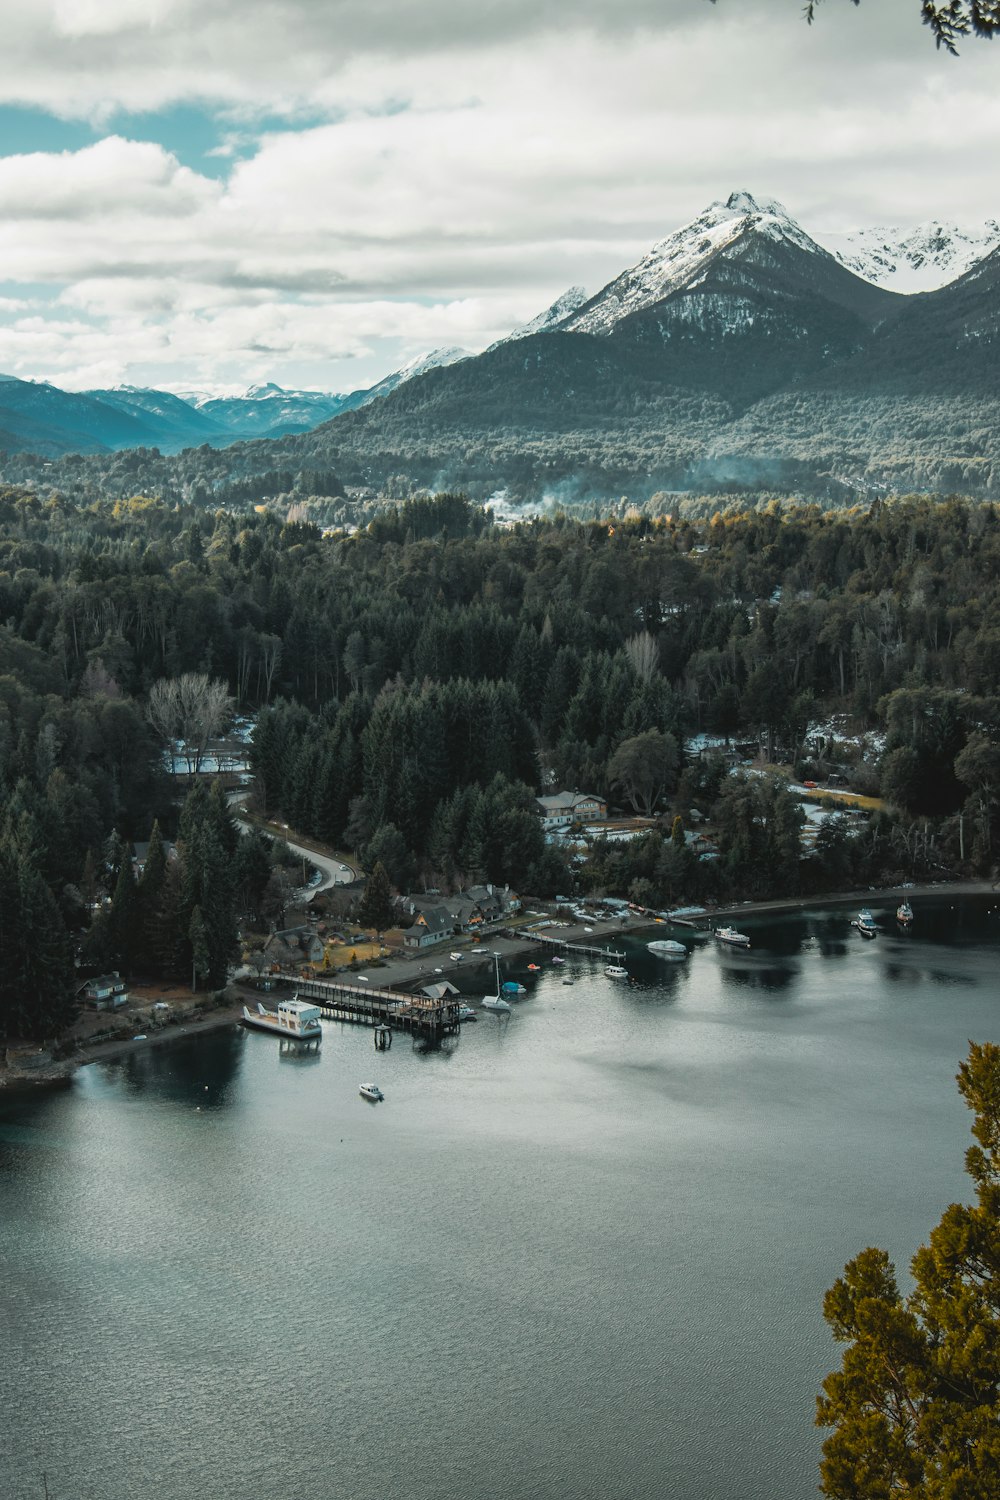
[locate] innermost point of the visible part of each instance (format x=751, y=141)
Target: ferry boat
x=370, y=1091
x=865, y=923
x=904, y=914
x=293, y=1018
x=667, y=948
x=731, y=937
x=616, y=971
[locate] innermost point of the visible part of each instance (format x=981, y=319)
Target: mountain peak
x=684, y=256
x=745, y=203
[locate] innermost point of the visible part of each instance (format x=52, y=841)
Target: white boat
x=370, y=1091
x=456, y=958
x=615, y=971
x=558, y=960
x=865, y=923
x=904, y=914
x=467, y=1013
x=731, y=937
x=667, y=948
x=293, y=1018
x=497, y=1002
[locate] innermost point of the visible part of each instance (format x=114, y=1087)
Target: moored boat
x=370, y=1091
x=293, y=1018
x=904, y=914
x=667, y=948
x=865, y=923
x=497, y=1002
x=467, y=1013
x=456, y=958
x=616, y=971
x=731, y=937
x=510, y=987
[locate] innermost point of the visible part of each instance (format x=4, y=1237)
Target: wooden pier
x=364, y=1005
x=560, y=945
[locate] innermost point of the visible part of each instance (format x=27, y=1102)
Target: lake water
x=580, y=1253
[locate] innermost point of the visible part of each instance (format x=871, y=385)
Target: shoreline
x=411, y=972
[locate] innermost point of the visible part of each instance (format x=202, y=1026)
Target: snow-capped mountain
x=680, y=259
x=914, y=260
x=434, y=359
x=562, y=308
x=268, y=410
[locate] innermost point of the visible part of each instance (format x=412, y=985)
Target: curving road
x=333, y=871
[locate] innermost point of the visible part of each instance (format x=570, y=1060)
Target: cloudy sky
x=209, y=193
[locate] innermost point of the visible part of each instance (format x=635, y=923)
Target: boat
x=731, y=937
x=534, y=968
x=496, y=1002
x=370, y=1091
x=456, y=958
x=667, y=948
x=467, y=1013
x=615, y=971
x=558, y=960
x=865, y=923
x=293, y=1018
x=566, y=979
x=510, y=987
x=904, y=914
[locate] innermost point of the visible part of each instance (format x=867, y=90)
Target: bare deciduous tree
x=643, y=652
x=192, y=708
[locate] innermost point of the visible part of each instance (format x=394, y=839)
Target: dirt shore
x=411, y=973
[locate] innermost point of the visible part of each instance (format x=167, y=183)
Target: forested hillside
x=416, y=684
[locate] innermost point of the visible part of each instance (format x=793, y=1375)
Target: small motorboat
x=904, y=914
x=371, y=1091
x=510, y=987
x=615, y=971
x=534, y=968
x=467, y=1013
x=865, y=923
x=731, y=937
x=667, y=948
x=558, y=960
x=456, y=958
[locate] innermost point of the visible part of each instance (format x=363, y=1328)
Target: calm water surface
x=580, y=1254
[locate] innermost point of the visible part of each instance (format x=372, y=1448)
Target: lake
x=577, y=1253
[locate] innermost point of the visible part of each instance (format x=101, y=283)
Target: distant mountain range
x=40, y=418
x=737, y=350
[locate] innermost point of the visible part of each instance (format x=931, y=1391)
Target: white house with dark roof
x=564, y=808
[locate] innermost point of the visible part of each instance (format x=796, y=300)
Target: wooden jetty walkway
x=561, y=945
x=365, y=1005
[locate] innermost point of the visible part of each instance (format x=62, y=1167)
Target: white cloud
x=472, y=165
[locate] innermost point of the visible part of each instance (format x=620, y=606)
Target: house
x=564, y=808
x=489, y=903
x=430, y=926
x=105, y=992
x=293, y=948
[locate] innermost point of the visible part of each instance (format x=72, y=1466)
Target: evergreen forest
x=416, y=683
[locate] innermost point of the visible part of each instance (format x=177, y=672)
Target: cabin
x=104, y=992
x=430, y=926
x=293, y=948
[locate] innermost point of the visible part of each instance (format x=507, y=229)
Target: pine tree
x=915, y=1406
x=375, y=908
